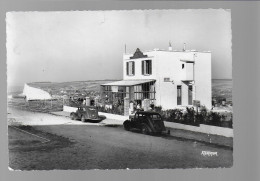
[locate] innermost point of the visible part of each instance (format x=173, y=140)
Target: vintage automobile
x=146, y=121
x=89, y=113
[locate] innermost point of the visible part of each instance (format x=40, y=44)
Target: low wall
x=181, y=126
x=227, y=132
x=114, y=116
x=69, y=109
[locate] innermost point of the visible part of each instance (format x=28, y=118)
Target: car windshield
x=155, y=117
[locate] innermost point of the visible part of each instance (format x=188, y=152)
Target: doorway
x=178, y=94
x=190, y=95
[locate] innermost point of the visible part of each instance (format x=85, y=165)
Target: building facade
x=167, y=78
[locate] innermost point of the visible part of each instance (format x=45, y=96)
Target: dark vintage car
x=145, y=121
x=89, y=113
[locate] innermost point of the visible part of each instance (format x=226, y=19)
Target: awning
x=128, y=82
x=188, y=61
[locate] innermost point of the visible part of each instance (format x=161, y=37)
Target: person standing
x=152, y=106
x=138, y=107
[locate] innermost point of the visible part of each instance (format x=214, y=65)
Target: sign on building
x=196, y=103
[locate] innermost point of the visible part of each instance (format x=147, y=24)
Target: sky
x=89, y=45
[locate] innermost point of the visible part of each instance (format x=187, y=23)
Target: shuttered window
x=142, y=67
x=127, y=68
x=130, y=68
x=133, y=68
x=147, y=67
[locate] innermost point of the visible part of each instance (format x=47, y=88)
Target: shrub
x=213, y=119
x=171, y=115
x=190, y=116
x=158, y=108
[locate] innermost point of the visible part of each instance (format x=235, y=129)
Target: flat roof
x=187, y=61
x=129, y=82
x=162, y=50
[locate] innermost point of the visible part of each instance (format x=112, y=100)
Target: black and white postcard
x=119, y=89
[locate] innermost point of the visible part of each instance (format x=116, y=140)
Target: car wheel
x=127, y=125
x=145, y=129
x=72, y=116
x=82, y=119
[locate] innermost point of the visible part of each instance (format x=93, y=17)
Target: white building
x=32, y=93
x=169, y=78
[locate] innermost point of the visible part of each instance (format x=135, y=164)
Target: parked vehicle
x=145, y=121
x=84, y=113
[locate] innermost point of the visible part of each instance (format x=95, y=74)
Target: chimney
x=184, y=47
x=170, y=46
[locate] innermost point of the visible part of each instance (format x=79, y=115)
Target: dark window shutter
x=133, y=68
x=127, y=68
x=150, y=67
x=142, y=67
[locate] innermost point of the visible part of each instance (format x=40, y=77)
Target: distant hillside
x=220, y=88
x=81, y=88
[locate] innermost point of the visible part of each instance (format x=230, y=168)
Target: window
x=155, y=117
x=130, y=68
x=179, y=95
x=167, y=79
x=147, y=67
x=190, y=95
x=107, y=88
x=144, y=91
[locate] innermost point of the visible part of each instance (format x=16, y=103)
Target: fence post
x=131, y=108
x=126, y=106
x=146, y=104
x=96, y=100
x=87, y=101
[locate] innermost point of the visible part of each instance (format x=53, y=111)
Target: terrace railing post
x=126, y=106
x=146, y=104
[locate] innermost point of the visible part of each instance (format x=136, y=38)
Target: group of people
x=80, y=101
x=137, y=106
